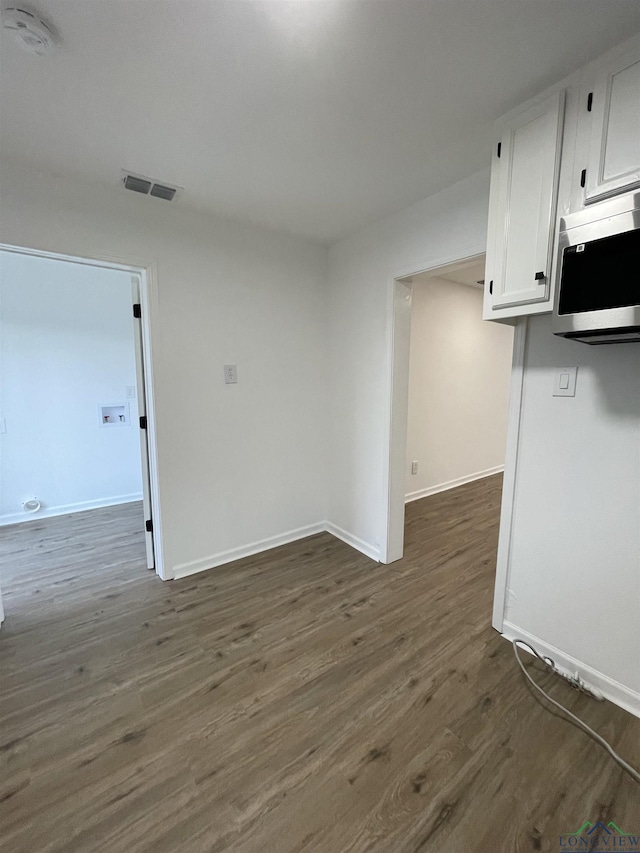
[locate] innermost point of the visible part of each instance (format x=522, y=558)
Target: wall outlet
x=230, y=374
x=414, y=466
x=131, y=391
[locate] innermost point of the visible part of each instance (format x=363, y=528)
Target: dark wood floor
x=306, y=699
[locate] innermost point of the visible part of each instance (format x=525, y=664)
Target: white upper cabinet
x=614, y=152
x=522, y=208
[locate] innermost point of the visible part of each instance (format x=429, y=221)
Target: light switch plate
x=564, y=381
x=230, y=374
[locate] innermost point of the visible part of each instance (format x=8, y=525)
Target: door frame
x=399, y=338
x=149, y=321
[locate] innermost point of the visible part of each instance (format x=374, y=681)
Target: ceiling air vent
x=148, y=186
x=160, y=191
x=138, y=185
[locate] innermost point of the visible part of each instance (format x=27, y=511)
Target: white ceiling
x=311, y=116
x=467, y=272
x=470, y=274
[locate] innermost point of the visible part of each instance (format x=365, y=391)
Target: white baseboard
x=617, y=693
x=359, y=544
x=66, y=509
x=452, y=484
x=183, y=570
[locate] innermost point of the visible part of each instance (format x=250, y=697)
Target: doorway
x=76, y=412
x=439, y=389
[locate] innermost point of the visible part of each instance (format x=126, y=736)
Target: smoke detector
x=149, y=186
x=29, y=30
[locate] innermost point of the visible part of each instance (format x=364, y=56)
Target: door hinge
x=137, y=311
x=499, y=148
x=589, y=102
x=491, y=287
x=583, y=177
x=143, y=421
x=148, y=526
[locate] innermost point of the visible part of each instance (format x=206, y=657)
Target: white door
x=614, y=152
x=142, y=414
x=524, y=179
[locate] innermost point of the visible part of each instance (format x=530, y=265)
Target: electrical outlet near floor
x=414, y=466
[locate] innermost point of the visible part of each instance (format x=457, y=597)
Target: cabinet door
x=614, y=152
x=521, y=226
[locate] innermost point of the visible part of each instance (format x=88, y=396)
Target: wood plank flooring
x=306, y=699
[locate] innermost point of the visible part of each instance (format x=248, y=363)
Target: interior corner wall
x=447, y=226
x=459, y=377
x=66, y=348
x=574, y=570
x=241, y=466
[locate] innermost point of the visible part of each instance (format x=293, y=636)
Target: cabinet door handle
x=491, y=287
x=539, y=276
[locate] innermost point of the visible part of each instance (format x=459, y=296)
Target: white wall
x=443, y=228
x=238, y=464
x=574, y=573
x=459, y=374
x=574, y=562
x=66, y=346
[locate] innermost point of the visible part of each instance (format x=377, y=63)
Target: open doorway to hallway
x=72, y=411
x=450, y=381
x=459, y=373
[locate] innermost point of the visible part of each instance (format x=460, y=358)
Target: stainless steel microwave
x=597, y=299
